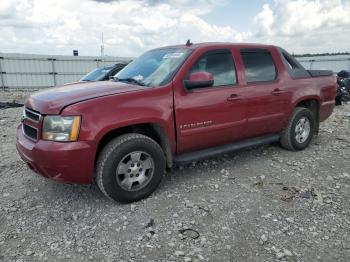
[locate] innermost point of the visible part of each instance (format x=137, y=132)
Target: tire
x=293, y=140
x=130, y=168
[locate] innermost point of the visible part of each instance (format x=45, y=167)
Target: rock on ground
x=261, y=204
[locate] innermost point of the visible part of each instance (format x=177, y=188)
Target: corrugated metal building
x=27, y=71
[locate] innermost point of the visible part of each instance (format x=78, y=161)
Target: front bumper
x=71, y=162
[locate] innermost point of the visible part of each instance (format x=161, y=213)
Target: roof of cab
x=218, y=44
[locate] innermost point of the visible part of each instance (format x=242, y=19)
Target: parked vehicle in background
x=343, y=91
x=174, y=104
x=103, y=73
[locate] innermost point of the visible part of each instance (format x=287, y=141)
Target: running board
x=214, y=151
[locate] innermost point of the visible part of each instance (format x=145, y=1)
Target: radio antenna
x=188, y=43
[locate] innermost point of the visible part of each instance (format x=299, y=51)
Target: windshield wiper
x=130, y=80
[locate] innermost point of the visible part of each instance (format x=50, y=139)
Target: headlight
x=61, y=128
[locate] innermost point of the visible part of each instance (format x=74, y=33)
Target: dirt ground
x=261, y=204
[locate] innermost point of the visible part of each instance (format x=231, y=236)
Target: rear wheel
x=130, y=168
x=300, y=130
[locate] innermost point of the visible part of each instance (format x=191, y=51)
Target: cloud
x=131, y=27
x=306, y=26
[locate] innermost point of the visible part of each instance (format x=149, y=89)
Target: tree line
x=321, y=54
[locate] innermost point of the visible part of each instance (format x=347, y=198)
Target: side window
x=220, y=65
x=258, y=65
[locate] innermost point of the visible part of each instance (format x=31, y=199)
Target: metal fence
x=26, y=71
x=333, y=63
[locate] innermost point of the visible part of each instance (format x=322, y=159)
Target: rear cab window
x=258, y=65
x=220, y=64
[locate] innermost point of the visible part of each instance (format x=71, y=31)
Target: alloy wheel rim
x=302, y=130
x=135, y=171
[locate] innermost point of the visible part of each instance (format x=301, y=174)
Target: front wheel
x=300, y=130
x=130, y=167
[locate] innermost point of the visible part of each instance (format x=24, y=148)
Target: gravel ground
x=14, y=96
x=262, y=204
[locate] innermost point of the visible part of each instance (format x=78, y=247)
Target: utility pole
x=102, y=47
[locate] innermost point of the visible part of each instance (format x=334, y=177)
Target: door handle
x=233, y=97
x=277, y=92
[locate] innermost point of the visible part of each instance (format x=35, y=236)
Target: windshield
x=154, y=68
x=96, y=74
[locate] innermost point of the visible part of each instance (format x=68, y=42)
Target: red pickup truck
x=174, y=104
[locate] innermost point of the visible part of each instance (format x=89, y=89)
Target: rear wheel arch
x=310, y=103
x=299, y=132
x=313, y=104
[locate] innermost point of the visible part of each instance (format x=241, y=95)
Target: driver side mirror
x=199, y=79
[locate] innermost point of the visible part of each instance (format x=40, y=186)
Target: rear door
x=210, y=116
x=267, y=99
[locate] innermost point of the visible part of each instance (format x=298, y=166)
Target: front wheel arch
x=114, y=153
x=154, y=131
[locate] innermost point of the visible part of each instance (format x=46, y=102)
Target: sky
x=135, y=26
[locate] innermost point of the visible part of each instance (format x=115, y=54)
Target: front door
x=210, y=116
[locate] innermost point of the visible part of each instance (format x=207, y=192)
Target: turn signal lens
x=75, y=129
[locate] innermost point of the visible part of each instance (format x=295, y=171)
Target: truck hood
x=53, y=100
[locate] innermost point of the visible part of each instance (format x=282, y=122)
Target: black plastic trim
x=214, y=151
x=298, y=71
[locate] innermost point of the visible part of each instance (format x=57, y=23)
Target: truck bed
x=317, y=73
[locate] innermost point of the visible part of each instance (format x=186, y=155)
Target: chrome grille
x=31, y=132
x=31, y=114
x=30, y=123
